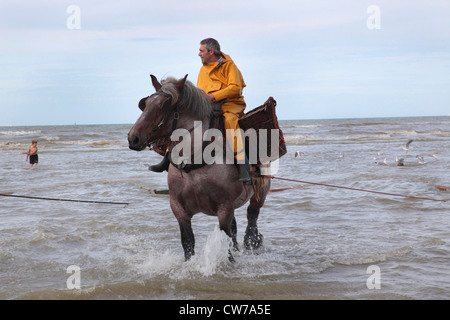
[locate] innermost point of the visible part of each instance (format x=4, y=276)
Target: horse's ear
x=142, y=104
x=180, y=83
x=155, y=82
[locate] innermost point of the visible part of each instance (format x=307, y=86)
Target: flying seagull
x=421, y=157
x=406, y=147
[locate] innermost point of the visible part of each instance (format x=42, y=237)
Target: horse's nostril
x=133, y=141
x=136, y=142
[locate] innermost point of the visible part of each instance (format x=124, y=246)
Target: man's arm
x=233, y=87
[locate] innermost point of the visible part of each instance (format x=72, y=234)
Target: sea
x=349, y=223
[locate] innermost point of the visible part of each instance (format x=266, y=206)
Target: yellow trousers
x=232, y=113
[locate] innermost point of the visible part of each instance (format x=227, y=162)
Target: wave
x=9, y=145
x=303, y=139
x=54, y=143
x=378, y=257
x=92, y=143
x=440, y=133
x=49, y=138
x=409, y=133
x=375, y=257
x=295, y=139
x=369, y=137
x=19, y=132
x=359, y=124
x=146, y=289
x=305, y=126
x=86, y=142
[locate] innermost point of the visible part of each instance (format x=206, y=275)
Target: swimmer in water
x=32, y=154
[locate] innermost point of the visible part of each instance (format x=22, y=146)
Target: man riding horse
x=220, y=78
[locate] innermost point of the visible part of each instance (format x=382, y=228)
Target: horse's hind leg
x=253, y=239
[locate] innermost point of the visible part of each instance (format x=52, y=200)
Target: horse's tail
x=261, y=187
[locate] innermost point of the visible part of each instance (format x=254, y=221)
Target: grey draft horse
x=214, y=188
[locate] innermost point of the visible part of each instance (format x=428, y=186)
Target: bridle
x=167, y=111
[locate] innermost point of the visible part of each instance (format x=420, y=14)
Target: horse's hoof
x=230, y=257
x=188, y=255
x=253, y=242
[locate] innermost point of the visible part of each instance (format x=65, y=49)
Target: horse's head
x=158, y=110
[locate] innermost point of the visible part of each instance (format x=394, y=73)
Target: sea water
x=321, y=242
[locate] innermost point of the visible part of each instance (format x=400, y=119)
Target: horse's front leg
x=227, y=223
x=187, y=238
x=184, y=221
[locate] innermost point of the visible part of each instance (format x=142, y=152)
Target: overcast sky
x=88, y=62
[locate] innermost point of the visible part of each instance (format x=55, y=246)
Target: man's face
x=205, y=55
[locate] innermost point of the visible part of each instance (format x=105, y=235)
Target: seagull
x=377, y=159
x=298, y=153
x=380, y=162
x=406, y=148
x=399, y=161
x=421, y=159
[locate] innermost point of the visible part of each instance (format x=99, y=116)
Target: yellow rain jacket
x=224, y=80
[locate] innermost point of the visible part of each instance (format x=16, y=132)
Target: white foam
x=19, y=132
x=213, y=254
x=206, y=262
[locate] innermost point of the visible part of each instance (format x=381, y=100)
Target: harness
x=166, y=144
x=216, y=122
x=165, y=108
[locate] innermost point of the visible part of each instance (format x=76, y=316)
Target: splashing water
x=206, y=262
x=214, y=253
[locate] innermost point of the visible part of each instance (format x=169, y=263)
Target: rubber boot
x=243, y=173
x=162, y=166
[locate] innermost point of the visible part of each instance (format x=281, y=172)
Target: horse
x=212, y=189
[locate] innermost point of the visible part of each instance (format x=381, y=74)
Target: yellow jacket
x=223, y=80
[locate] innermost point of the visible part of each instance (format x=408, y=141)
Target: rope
x=355, y=189
x=56, y=199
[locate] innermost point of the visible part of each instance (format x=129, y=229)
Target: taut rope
x=57, y=199
x=356, y=189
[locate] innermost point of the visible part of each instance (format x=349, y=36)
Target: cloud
x=317, y=54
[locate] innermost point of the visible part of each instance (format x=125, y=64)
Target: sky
x=89, y=62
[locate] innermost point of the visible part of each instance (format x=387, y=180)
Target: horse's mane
x=193, y=99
